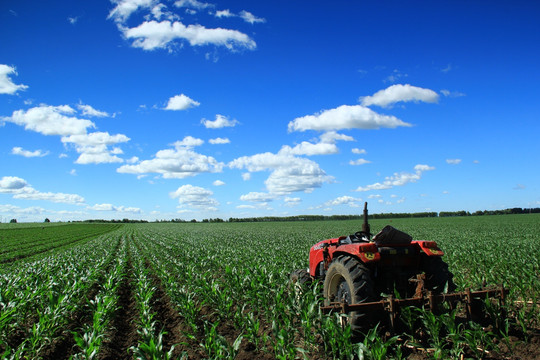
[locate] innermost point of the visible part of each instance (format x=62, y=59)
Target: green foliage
x=229, y=284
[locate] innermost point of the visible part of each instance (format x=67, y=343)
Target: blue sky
x=158, y=109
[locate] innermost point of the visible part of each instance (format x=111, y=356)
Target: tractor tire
x=300, y=277
x=350, y=281
x=438, y=277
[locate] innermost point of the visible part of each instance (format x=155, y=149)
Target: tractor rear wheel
x=300, y=277
x=438, y=277
x=349, y=281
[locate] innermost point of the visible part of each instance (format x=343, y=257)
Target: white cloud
x=9, y=184
x=289, y=201
x=358, y=151
x=95, y=139
x=199, y=5
x=218, y=183
x=224, y=13
x=398, y=179
x=27, y=153
x=453, y=94
x=6, y=85
x=188, y=142
x=288, y=173
x=246, y=176
x=453, y=161
x=220, y=122
x=110, y=207
x=50, y=120
x=88, y=110
x=151, y=35
x=102, y=207
x=344, y=200
x=32, y=194
x=326, y=145
x=219, y=140
x=257, y=197
x=181, y=102
x=359, y=162
x=20, y=189
x=309, y=149
x=395, y=76
x=177, y=163
x=94, y=147
x=244, y=15
x=250, y=18
x=73, y=19
x=400, y=93
x=124, y=8
x=195, y=197
x=345, y=117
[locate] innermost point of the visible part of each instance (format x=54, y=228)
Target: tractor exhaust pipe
x=365, y=225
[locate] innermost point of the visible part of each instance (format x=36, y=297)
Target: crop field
x=222, y=291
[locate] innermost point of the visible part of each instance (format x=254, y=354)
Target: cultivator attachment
x=472, y=301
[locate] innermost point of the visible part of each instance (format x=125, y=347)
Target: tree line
x=509, y=211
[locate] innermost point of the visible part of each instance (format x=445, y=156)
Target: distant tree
x=13, y=221
x=47, y=220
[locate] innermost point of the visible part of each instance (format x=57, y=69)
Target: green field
x=221, y=291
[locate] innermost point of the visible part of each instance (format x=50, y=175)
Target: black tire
x=438, y=277
x=300, y=277
x=349, y=281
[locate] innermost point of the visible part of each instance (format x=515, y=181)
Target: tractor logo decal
x=369, y=256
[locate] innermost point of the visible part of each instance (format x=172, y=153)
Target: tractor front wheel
x=349, y=281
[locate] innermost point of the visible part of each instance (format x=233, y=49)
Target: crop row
x=221, y=291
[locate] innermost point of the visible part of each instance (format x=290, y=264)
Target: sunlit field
x=222, y=291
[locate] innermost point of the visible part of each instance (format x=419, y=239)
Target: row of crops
x=221, y=291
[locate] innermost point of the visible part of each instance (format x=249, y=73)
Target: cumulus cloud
x=88, y=110
x=219, y=140
x=195, y=197
x=124, y=8
x=218, y=183
x=20, y=189
x=151, y=35
x=288, y=173
x=181, y=102
x=325, y=146
x=51, y=120
x=220, y=122
x=178, y=163
x=94, y=147
x=345, y=117
x=6, y=84
x=359, y=162
x=257, y=197
x=358, y=151
x=291, y=201
x=244, y=15
x=398, y=179
x=110, y=207
x=199, y=5
x=9, y=184
x=250, y=18
x=453, y=161
x=400, y=93
x=344, y=200
x=224, y=13
x=27, y=153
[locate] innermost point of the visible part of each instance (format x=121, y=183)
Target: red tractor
x=364, y=276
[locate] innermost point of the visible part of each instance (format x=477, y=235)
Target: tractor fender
x=430, y=248
x=366, y=252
